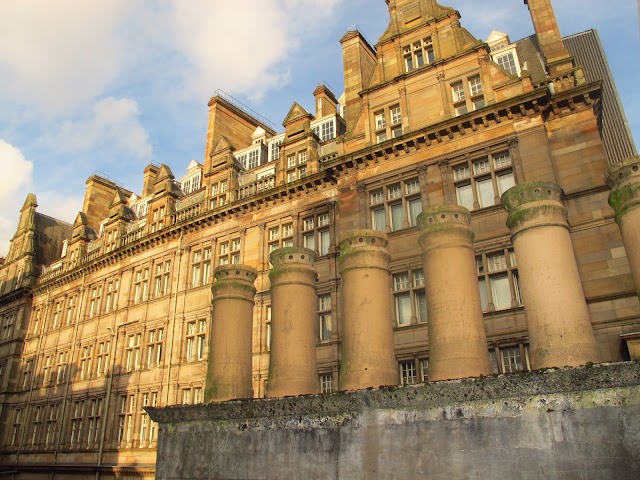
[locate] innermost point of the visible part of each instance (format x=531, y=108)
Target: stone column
x=457, y=338
x=558, y=319
x=293, y=366
x=368, y=356
x=624, y=181
x=230, y=357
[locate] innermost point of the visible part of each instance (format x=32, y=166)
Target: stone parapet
x=368, y=356
x=457, y=338
x=549, y=278
x=293, y=364
x=369, y=434
x=229, y=368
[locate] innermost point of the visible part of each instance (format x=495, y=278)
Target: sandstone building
x=113, y=313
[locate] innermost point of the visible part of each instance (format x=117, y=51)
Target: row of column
x=558, y=319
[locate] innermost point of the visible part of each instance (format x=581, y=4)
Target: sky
x=107, y=86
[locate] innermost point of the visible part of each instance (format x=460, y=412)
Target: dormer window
x=325, y=130
x=191, y=184
x=508, y=62
x=418, y=54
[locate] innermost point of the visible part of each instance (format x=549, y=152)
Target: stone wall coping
x=421, y=396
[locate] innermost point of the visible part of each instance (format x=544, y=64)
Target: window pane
x=511, y=359
x=421, y=306
x=324, y=242
x=501, y=291
x=465, y=196
x=378, y=219
x=396, y=217
x=415, y=208
x=484, y=298
x=403, y=309
x=325, y=327
x=506, y=181
x=486, y=196
x=308, y=241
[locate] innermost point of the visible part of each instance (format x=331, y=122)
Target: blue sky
x=106, y=86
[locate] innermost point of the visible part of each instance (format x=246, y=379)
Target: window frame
x=488, y=275
x=384, y=201
x=466, y=174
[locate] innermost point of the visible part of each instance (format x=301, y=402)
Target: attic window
x=418, y=54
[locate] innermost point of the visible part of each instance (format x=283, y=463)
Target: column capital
x=234, y=281
x=534, y=204
x=445, y=225
x=364, y=249
x=624, y=181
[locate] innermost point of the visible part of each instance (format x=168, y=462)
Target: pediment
x=296, y=113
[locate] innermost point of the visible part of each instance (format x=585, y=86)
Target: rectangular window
x=133, y=353
x=397, y=206
x=324, y=317
x=418, y=54
x=507, y=62
x=196, y=340
x=102, y=358
x=7, y=326
x=254, y=159
x=457, y=91
x=326, y=383
x=26, y=373
x=480, y=183
x=274, y=150
x=475, y=86
x=17, y=424
x=408, y=374
x=93, y=420
x=315, y=233
x=498, y=280
x=162, y=278
x=395, y=115
x=424, y=370
x=77, y=420
x=141, y=285
x=86, y=358
x=61, y=367
x=409, y=297
x=510, y=359
x=126, y=420
x=155, y=339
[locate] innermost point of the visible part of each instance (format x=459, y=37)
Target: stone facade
x=113, y=314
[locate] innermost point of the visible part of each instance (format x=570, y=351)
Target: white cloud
x=241, y=46
x=112, y=123
x=60, y=206
x=17, y=171
x=55, y=55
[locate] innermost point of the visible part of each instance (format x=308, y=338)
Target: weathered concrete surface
x=573, y=423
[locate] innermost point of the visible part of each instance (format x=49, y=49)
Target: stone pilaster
x=624, y=181
x=457, y=338
x=558, y=319
x=229, y=368
x=293, y=364
x=368, y=357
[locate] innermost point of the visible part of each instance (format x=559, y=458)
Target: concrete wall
x=573, y=423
